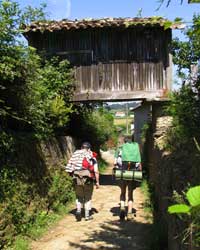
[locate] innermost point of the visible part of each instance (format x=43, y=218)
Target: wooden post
x=127, y=118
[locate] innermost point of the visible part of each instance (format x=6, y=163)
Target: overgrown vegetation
x=35, y=105
x=34, y=93
x=185, y=109
x=185, y=105
x=94, y=124
x=190, y=211
x=148, y=207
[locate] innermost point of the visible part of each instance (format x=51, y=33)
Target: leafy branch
x=191, y=210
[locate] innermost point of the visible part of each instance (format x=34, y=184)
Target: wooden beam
x=119, y=95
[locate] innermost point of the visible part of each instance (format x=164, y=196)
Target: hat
x=86, y=145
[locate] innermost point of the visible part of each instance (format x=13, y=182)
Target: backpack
x=82, y=177
x=86, y=174
x=86, y=164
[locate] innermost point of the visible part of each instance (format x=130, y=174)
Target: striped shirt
x=75, y=162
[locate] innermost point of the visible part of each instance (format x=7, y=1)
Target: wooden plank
x=120, y=60
x=117, y=95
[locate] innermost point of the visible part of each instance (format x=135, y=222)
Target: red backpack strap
x=85, y=163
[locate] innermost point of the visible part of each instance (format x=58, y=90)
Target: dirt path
x=105, y=231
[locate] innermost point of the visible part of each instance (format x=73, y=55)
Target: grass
x=122, y=121
x=148, y=207
x=42, y=223
x=157, y=235
x=102, y=165
x=21, y=243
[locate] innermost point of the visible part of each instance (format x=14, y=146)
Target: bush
x=27, y=200
x=94, y=124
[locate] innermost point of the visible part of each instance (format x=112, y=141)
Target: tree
x=185, y=109
x=161, y=2
x=34, y=93
x=185, y=105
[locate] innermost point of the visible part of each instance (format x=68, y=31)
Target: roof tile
x=94, y=23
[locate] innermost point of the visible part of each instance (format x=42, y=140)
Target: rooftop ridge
x=86, y=23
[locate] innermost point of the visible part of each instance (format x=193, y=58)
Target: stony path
x=105, y=231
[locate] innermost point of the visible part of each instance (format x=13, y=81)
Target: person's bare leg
x=123, y=195
x=78, y=205
x=88, y=197
x=79, y=201
x=130, y=200
x=130, y=206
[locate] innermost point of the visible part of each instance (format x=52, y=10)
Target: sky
x=78, y=9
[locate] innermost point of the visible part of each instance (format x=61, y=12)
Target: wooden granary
x=113, y=58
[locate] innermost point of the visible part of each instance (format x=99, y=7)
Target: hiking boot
x=122, y=214
x=78, y=216
x=130, y=217
x=89, y=218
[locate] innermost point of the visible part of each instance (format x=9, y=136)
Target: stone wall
x=28, y=181
x=169, y=172
x=58, y=150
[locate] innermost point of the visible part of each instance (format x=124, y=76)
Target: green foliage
x=48, y=96
x=34, y=93
x=192, y=211
x=145, y=129
x=148, y=207
x=31, y=14
x=22, y=201
x=34, y=102
x=186, y=53
x=42, y=221
x=185, y=103
x=193, y=196
x=102, y=165
x=102, y=124
x=94, y=124
x=185, y=110
x=179, y=208
x=21, y=243
x=161, y=2
x=61, y=191
x=194, y=1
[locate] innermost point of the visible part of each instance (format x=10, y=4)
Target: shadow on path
x=107, y=180
x=116, y=211
x=117, y=235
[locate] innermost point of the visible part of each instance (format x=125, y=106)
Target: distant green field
x=122, y=121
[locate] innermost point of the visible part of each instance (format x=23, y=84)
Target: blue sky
x=78, y=9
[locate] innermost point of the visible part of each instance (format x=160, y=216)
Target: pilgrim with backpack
x=127, y=170
x=83, y=167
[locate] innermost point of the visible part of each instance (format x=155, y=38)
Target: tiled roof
x=93, y=23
